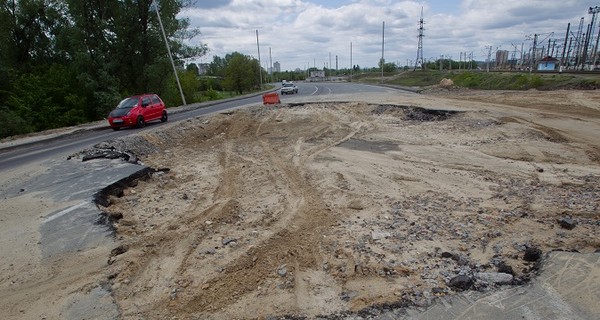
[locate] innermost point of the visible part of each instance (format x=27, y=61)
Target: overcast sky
x=304, y=33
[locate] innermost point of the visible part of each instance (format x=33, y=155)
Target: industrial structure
x=577, y=51
x=419, y=60
x=501, y=59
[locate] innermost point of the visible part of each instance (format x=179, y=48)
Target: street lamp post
x=169, y=51
x=259, y=65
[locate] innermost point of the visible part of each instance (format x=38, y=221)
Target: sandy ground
x=335, y=208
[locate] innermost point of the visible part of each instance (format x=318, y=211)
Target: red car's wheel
x=140, y=123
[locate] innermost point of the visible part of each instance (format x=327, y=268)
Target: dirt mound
x=446, y=83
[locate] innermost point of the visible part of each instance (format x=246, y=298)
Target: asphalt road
x=64, y=145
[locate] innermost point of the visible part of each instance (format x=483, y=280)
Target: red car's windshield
x=128, y=103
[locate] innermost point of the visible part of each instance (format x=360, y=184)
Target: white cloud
x=303, y=33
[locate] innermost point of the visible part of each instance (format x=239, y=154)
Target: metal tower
x=593, y=11
x=578, y=44
x=419, y=61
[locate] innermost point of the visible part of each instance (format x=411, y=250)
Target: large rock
x=461, y=282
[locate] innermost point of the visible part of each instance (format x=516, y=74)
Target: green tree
x=387, y=66
x=28, y=30
x=217, y=66
x=241, y=73
x=193, y=67
x=64, y=62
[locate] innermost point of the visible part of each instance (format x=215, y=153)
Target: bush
x=11, y=124
x=211, y=94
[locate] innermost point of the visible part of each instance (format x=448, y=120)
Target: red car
x=135, y=111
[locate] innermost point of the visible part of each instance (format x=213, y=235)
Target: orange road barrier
x=271, y=98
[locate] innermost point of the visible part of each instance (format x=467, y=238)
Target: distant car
x=289, y=88
x=135, y=111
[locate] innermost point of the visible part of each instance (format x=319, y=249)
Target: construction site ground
x=348, y=206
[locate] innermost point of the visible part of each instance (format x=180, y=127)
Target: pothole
x=413, y=113
x=103, y=197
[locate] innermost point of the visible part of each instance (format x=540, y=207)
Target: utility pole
x=351, y=65
x=596, y=49
x=336, y=63
x=586, y=45
x=578, y=45
x=522, y=53
x=329, y=66
x=259, y=65
x=514, y=56
x=568, y=52
x=271, y=63
x=563, y=61
x=169, y=52
x=533, y=54
x=489, y=57
x=382, y=48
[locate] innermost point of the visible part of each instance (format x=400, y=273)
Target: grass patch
x=486, y=80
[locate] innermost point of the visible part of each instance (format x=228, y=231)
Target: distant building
x=276, y=66
x=501, y=58
x=547, y=64
x=203, y=68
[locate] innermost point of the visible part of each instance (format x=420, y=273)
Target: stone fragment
x=210, y=251
x=461, y=282
x=348, y=295
x=447, y=254
x=116, y=215
x=437, y=290
x=495, y=277
x=504, y=268
x=567, y=223
x=282, y=271
x=378, y=235
x=118, y=250
x=227, y=241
